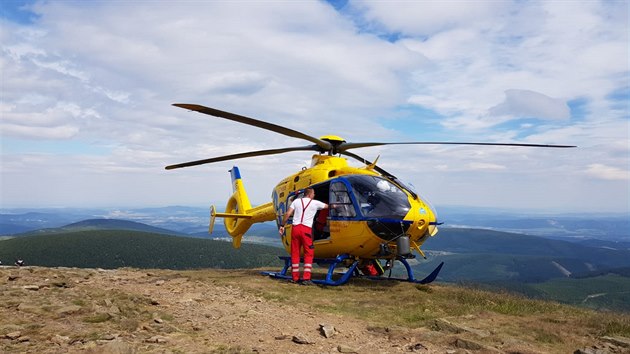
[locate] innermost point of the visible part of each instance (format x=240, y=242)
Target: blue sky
x=87, y=88
x=17, y=11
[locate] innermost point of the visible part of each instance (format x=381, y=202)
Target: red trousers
x=301, y=236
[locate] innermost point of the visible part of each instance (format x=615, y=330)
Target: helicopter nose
x=389, y=229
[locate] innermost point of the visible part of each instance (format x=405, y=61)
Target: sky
x=87, y=90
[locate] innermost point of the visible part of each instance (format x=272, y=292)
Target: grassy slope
x=605, y=292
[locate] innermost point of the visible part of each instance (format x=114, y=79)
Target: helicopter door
x=339, y=196
x=321, y=225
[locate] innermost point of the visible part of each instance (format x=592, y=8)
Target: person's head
x=309, y=193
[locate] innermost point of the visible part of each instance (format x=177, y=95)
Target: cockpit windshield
x=378, y=197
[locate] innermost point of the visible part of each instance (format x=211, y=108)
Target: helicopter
x=373, y=216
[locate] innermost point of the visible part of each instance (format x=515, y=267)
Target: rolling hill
x=458, y=240
x=102, y=224
x=129, y=248
x=29, y=220
x=486, y=255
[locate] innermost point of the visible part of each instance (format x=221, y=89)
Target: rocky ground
x=67, y=310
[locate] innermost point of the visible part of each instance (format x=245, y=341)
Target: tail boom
x=239, y=215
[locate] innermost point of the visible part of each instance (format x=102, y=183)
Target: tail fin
x=239, y=214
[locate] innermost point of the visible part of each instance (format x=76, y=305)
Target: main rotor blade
x=243, y=155
x=348, y=146
x=324, y=145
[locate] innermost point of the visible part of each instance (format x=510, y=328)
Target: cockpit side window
x=341, y=202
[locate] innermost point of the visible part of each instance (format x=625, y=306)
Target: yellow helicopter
x=373, y=216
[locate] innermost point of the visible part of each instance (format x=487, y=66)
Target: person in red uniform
x=321, y=222
x=301, y=233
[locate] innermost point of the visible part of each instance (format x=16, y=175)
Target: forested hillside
x=124, y=248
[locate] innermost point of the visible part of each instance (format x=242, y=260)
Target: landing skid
x=332, y=264
x=343, y=278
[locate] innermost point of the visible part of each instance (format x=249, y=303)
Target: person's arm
x=286, y=217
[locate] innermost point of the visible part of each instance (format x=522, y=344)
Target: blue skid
x=332, y=262
x=352, y=271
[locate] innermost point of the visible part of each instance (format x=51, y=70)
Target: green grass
x=225, y=349
x=546, y=337
x=97, y=318
x=608, y=291
x=415, y=304
x=608, y=324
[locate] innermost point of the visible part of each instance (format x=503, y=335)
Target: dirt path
x=49, y=310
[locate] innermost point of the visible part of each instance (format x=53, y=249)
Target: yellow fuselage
x=353, y=235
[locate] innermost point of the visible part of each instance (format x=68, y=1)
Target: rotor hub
x=334, y=140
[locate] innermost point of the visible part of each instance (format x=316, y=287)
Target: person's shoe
x=291, y=281
x=307, y=282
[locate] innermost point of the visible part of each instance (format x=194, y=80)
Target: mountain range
x=194, y=221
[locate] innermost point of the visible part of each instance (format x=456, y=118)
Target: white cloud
x=57, y=132
x=485, y=166
x=61, y=121
x=553, y=48
x=105, y=74
x=425, y=18
x=240, y=82
x=530, y=104
x=607, y=172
